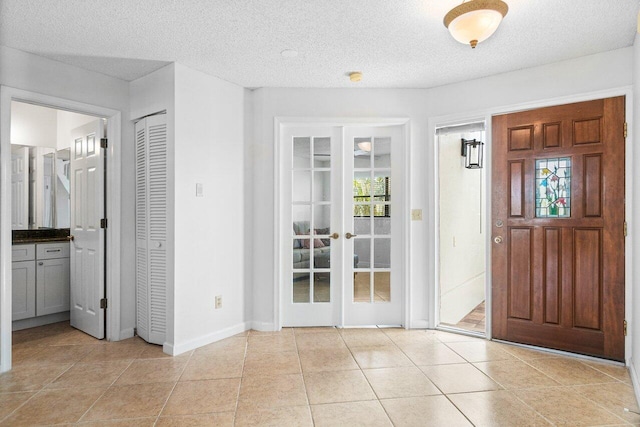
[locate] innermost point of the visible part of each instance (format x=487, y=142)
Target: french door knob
x=498, y=239
x=349, y=235
x=70, y=238
x=334, y=236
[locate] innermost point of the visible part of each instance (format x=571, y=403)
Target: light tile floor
x=306, y=377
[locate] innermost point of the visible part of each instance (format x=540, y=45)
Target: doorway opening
x=462, y=238
x=67, y=276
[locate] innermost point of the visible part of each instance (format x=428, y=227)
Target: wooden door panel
x=559, y=281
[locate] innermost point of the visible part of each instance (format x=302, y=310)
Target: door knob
x=158, y=244
x=349, y=235
x=70, y=238
x=334, y=236
x=498, y=239
x=499, y=223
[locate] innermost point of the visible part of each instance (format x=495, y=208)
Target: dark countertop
x=41, y=235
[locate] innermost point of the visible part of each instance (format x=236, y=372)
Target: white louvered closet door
x=151, y=228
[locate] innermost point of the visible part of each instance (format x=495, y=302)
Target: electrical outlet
x=218, y=301
x=416, y=214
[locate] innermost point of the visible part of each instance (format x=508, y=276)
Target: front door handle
x=349, y=235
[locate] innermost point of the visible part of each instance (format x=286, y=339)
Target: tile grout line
x=174, y=387
x=304, y=384
x=244, y=359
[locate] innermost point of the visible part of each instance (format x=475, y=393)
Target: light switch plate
x=199, y=189
x=416, y=214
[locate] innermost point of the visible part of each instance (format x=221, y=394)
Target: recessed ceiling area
x=394, y=43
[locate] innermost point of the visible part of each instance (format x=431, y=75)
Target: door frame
x=114, y=166
x=486, y=115
x=279, y=245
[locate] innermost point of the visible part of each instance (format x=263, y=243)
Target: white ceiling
x=395, y=43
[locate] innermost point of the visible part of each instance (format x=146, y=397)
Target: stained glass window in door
x=553, y=188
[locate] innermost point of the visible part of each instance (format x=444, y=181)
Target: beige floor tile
x=316, y=330
x=319, y=341
x=129, y=422
x=400, y=382
x=409, y=338
x=116, y=351
x=10, y=402
x=90, y=374
x=274, y=391
x=60, y=354
x=283, y=331
x=564, y=406
x=30, y=377
x=479, y=351
x=463, y=378
x=451, y=337
x=339, y=359
x=496, y=408
x=570, y=371
x=526, y=353
x=355, y=414
x=290, y=416
x=232, y=345
x=614, y=397
x=130, y=401
x=271, y=364
x=55, y=407
x=515, y=374
x=431, y=353
x=337, y=386
x=22, y=353
x=152, y=371
x=271, y=343
x=620, y=373
x=380, y=357
x=201, y=397
x=365, y=338
x=223, y=419
x=427, y=411
x=205, y=367
x=155, y=352
x=74, y=337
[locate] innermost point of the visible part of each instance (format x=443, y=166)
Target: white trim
x=635, y=381
x=487, y=113
x=278, y=123
x=563, y=353
x=114, y=165
x=175, y=350
x=126, y=333
x=263, y=326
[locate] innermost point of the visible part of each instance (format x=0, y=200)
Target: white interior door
x=373, y=197
x=341, y=279
x=20, y=189
x=87, y=210
x=311, y=213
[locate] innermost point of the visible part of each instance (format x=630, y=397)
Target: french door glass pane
x=301, y=287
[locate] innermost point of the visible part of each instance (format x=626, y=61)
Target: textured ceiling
x=395, y=43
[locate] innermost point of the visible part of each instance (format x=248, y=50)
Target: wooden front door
x=558, y=227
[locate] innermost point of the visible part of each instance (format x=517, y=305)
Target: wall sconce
x=472, y=153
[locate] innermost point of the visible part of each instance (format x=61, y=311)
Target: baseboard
x=125, y=334
x=262, y=326
x=634, y=380
x=176, y=349
x=32, y=322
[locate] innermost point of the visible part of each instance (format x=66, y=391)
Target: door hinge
x=625, y=129
x=103, y=303
x=626, y=229
x=103, y=223
x=625, y=328
x=103, y=141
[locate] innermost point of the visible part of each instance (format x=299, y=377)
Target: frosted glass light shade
x=475, y=21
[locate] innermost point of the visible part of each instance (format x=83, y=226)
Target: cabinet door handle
x=53, y=250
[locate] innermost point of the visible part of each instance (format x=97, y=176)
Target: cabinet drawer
x=23, y=252
x=52, y=250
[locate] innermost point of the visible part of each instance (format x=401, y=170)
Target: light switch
x=199, y=189
x=416, y=214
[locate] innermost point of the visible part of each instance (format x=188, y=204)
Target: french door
x=341, y=247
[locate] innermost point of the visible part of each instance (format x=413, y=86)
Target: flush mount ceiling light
x=474, y=21
x=355, y=76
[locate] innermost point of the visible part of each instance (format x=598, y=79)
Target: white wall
x=209, y=230
x=576, y=76
x=461, y=226
x=33, y=125
x=40, y=75
x=66, y=122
